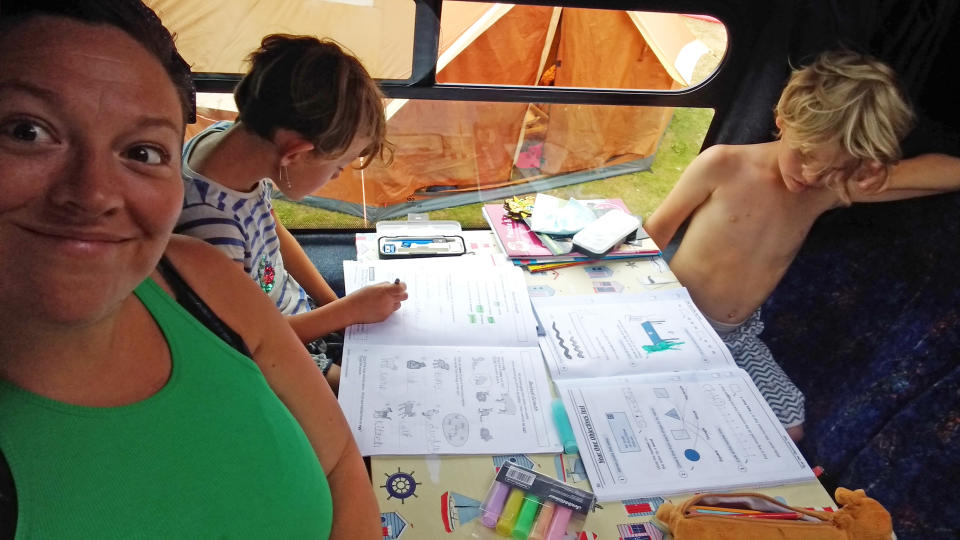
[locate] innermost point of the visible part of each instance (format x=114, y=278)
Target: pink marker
x=558, y=525
x=494, y=504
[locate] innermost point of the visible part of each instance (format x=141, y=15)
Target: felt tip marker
x=511, y=509
x=725, y=510
x=564, y=429
x=539, y=531
x=521, y=529
x=396, y=281
x=770, y=515
x=494, y=504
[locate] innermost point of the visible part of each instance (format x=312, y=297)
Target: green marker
x=521, y=530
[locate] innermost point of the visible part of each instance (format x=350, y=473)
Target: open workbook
x=457, y=370
x=657, y=404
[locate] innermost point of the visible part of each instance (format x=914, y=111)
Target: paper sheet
x=649, y=435
x=603, y=335
x=449, y=304
x=447, y=400
x=457, y=370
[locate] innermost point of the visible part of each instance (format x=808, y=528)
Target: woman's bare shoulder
x=223, y=286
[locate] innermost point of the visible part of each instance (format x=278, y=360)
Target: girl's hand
x=375, y=303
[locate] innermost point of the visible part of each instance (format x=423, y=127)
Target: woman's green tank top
x=213, y=454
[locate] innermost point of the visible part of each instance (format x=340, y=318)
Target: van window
x=465, y=116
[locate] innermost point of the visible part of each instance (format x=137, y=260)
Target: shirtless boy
x=840, y=121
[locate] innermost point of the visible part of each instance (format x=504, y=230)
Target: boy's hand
x=375, y=303
x=870, y=177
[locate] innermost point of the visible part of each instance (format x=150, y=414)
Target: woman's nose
x=88, y=184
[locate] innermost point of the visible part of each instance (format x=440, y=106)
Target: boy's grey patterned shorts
x=755, y=358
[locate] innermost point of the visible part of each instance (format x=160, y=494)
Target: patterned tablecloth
x=438, y=497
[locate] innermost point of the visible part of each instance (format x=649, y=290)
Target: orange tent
x=452, y=153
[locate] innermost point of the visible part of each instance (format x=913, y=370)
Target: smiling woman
x=99, y=364
x=94, y=197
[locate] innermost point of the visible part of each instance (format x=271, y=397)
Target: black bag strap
x=195, y=305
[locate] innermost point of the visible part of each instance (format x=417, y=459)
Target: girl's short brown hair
x=315, y=88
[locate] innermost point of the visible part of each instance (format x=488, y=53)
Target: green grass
x=642, y=192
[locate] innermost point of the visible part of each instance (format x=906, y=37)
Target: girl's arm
x=299, y=265
x=291, y=374
x=370, y=304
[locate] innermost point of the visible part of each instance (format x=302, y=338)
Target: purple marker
x=494, y=504
x=558, y=525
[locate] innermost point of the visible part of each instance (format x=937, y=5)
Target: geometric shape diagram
x=400, y=485
x=457, y=509
x=392, y=525
x=672, y=413
x=691, y=454
x=518, y=459
x=661, y=393
x=639, y=531
x=680, y=434
x=643, y=506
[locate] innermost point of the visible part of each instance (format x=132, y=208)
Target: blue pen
x=564, y=429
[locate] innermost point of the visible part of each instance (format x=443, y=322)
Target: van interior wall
x=866, y=321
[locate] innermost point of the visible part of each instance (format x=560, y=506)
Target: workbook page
x=450, y=303
x=447, y=400
x=671, y=433
x=599, y=335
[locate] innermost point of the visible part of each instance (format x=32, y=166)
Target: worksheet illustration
x=602, y=335
x=448, y=304
x=447, y=400
x=655, y=434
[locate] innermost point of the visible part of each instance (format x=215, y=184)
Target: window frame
x=744, y=21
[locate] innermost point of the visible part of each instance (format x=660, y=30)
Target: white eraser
x=606, y=232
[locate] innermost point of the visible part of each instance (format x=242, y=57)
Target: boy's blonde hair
x=848, y=99
x=315, y=88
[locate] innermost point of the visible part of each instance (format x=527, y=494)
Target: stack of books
x=539, y=252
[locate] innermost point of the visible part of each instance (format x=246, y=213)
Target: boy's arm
x=926, y=174
x=299, y=265
x=690, y=191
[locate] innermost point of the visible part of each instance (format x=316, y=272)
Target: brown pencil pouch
x=860, y=518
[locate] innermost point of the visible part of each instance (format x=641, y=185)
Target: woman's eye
x=147, y=154
x=27, y=131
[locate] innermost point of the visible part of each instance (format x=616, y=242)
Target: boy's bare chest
x=767, y=223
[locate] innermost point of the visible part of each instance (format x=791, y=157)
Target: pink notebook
x=519, y=242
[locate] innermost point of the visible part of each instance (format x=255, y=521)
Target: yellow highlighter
x=511, y=509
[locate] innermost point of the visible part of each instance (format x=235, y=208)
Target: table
x=438, y=497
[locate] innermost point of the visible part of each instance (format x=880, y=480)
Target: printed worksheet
x=601, y=335
x=671, y=433
x=449, y=303
x=456, y=370
x=447, y=400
